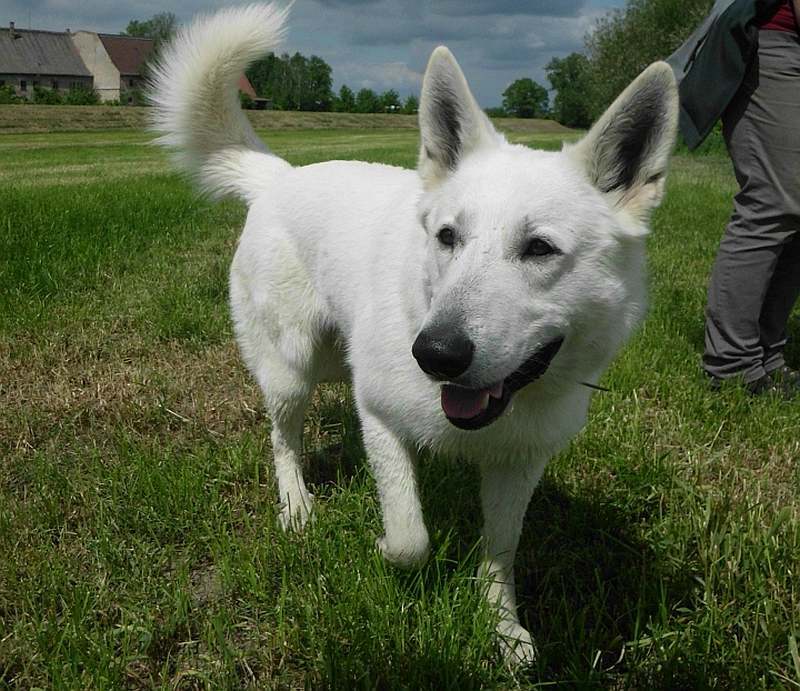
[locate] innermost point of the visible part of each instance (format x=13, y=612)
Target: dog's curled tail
x=194, y=91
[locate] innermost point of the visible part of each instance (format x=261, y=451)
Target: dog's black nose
x=443, y=353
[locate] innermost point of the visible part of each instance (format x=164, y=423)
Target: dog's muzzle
x=472, y=409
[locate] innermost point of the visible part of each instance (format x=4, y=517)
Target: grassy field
x=137, y=511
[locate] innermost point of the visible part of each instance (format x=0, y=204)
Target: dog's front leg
x=405, y=541
x=505, y=493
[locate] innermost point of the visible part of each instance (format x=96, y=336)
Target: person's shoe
x=783, y=382
x=787, y=381
x=754, y=387
x=763, y=386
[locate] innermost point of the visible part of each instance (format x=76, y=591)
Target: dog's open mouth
x=475, y=408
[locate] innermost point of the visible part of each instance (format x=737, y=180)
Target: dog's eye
x=446, y=236
x=539, y=248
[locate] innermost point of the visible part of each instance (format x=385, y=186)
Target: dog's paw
x=293, y=516
x=516, y=644
x=409, y=554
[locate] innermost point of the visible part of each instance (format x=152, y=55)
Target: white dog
x=466, y=301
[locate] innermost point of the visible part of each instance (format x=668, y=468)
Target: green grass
x=137, y=509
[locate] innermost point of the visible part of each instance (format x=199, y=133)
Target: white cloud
x=381, y=76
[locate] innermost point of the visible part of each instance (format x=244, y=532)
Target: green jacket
x=712, y=63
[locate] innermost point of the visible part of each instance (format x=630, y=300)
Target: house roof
x=39, y=53
x=246, y=87
x=128, y=53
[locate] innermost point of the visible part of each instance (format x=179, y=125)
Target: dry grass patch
x=29, y=118
x=66, y=392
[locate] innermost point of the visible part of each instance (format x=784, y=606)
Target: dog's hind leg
x=506, y=491
x=287, y=413
x=286, y=396
x=405, y=542
x=276, y=325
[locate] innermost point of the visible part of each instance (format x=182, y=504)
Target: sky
x=378, y=44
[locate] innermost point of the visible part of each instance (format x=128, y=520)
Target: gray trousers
x=756, y=276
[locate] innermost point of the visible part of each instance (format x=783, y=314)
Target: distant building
x=111, y=64
x=245, y=87
x=33, y=58
x=116, y=62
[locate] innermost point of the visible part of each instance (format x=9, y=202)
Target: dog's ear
x=626, y=152
x=451, y=122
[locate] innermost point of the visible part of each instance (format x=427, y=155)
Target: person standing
x=747, y=61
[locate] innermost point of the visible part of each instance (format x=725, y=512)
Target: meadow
x=138, y=539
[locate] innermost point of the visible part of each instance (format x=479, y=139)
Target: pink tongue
x=461, y=403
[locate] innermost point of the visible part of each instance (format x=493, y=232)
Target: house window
x=2, y=82
x=23, y=85
x=54, y=84
x=130, y=83
x=35, y=83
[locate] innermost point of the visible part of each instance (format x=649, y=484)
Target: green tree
x=345, y=102
x=160, y=27
x=8, y=95
x=496, y=112
x=293, y=82
x=297, y=78
x=571, y=77
x=266, y=76
x=318, y=85
x=50, y=97
x=367, y=101
x=81, y=96
x=525, y=98
x=390, y=101
x=411, y=105
x=627, y=40
x=246, y=101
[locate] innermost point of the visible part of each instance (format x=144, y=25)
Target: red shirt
x=782, y=20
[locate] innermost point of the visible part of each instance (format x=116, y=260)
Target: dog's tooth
x=497, y=390
x=484, y=400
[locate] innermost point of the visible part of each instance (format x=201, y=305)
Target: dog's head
x=534, y=259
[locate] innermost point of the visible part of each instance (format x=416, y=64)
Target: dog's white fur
x=340, y=267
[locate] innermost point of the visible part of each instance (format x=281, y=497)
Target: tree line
x=299, y=83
